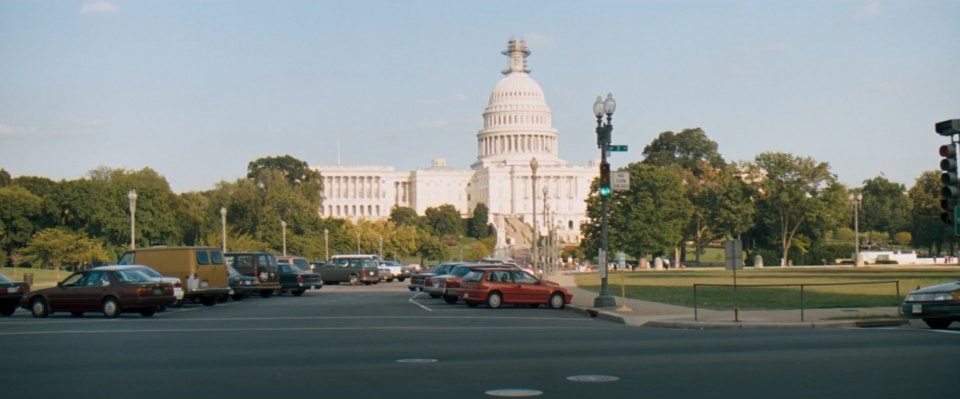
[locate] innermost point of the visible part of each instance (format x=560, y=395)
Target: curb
x=692, y=324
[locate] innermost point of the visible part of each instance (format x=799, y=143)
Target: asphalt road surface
x=384, y=341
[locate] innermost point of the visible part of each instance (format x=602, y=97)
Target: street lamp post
x=358, y=241
x=381, y=247
x=855, y=200
x=223, y=229
x=283, y=232
x=132, y=196
x=326, y=244
x=604, y=133
x=533, y=187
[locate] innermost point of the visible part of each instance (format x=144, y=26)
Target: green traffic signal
x=605, y=190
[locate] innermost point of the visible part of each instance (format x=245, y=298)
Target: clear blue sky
x=197, y=89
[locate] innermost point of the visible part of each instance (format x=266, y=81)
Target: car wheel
x=354, y=280
x=450, y=299
x=266, y=293
x=208, y=300
x=223, y=298
x=298, y=292
x=7, y=310
x=39, y=308
x=938, y=324
x=557, y=301
x=147, y=312
x=76, y=313
x=237, y=297
x=401, y=279
x=434, y=295
x=494, y=300
x=110, y=307
x=472, y=304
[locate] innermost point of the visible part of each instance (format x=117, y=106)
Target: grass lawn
x=42, y=278
x=676, y=286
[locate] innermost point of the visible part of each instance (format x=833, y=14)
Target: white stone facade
x=517, y=127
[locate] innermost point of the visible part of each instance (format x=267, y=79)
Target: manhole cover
x=417, y=361
x=592, y=378
x=514, y=393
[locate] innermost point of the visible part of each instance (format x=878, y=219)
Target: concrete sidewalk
x=655, y=314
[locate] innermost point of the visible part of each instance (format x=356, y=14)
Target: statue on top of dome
x=517, y=52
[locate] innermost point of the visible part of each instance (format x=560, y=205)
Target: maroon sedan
x=497, y=286
x=111, y=290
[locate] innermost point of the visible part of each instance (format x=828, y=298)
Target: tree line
x=46, y=223
x=786, y=208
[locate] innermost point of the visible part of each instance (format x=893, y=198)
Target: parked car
x=353, y=269
x=11, y=292
x=497, y=286
x=262, y=265
x=242, y=285
x=420, y=280
x=111, y=290
x=297, y=281
x=155, y=275
x=398, y=271
x=938, y=305
x=201, y=269
x=448, y=286
x=386, y=275
x=300, y=261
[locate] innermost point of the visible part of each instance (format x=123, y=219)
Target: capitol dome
x=517, y=123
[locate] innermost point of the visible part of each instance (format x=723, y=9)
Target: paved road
x=370, y=342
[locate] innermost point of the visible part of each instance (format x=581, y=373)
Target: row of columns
x=353, y=187
x=516, y=143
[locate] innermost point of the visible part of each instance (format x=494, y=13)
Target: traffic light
x=605, y=180
x=950, y=192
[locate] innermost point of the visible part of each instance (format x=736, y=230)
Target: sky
x=196, y=89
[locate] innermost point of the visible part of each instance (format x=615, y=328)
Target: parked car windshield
x=473, y=276
x=4, y=279
x=301, y=263
x=149, y=272
x=232, y=272
x=131, y=276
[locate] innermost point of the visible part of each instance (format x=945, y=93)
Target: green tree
x=19, y=212
x=798, y=199
x=404, y=216
x=927, y=229
x=431, y=248
x=479, y=225
x=647, y=219
x=296, y=172
x=690, y=149
x=903, y=238
x=444, y=220
x=56, y=247
x=5, y=178
x=885, y=206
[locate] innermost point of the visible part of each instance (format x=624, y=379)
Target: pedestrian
x=666, y=263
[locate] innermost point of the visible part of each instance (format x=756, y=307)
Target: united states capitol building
x=517, y=128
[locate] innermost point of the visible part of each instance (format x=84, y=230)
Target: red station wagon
x=496, y=286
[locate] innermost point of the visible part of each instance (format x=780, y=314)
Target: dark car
x=262, y=265
x=242, y=285
x=938, y=305
x=11, y=292
x=353, y=269
x=419, y=280
x=297, y=281
x=497, y=286
x=111, y=290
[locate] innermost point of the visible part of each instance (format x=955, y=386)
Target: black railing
x=736, y=309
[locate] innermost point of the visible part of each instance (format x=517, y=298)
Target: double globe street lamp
x=132, y=196
x=604, y=133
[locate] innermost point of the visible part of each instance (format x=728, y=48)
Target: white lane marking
x=593, y=378
x=411, y=300
x=514, y=393
x=281, y=329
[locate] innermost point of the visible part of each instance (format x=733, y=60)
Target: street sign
x=618, y=148
x=956, y=220
x=620, y=180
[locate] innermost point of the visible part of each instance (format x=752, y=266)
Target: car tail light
x=168, y=290
x=299, y=279
x=177, y=285
x=141, y=291
x=3, y=290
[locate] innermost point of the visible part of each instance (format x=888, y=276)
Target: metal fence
x=736, y=309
